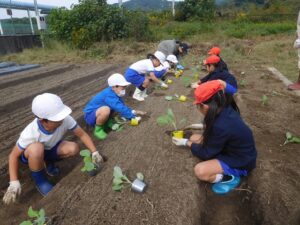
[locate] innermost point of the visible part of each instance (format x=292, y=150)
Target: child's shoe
x=225, y=187
x=99, y=132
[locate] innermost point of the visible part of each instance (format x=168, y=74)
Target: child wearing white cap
x=41, y=143
x=163, y=69
x=98, y=111
x=137, y=74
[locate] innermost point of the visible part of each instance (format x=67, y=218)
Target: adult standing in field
x=226, y=146
x=296, y=86
x=173, y=47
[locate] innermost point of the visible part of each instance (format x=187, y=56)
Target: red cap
x=214, y=51
x=206, y=90
x=212, y=59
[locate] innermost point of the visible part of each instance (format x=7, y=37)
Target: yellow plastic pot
x=182, y=98
x=177, y=74
x=169, y=81
x=178, y=134
x=134, y=122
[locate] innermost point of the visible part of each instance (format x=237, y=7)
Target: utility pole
x=173, y=8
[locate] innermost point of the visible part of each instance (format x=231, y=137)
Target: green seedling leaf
x=87, y=159
x=120, y=128
x=163, y=120
x=140, y=176
x=83, y=169
x=243, y=83
x=168, y=98
x=32, y=213
x=186, y=81
x=42, y=213
x=290, y=138
x=170, y=113
x=85, y=153
x=89, y=166
x=264, y=100
x=118, y=172
x=40, y=221
x=117, y=187
x=27, y=222
x=117, y=181
x=115, y=127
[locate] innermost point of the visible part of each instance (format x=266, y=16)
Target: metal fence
x=16, y=28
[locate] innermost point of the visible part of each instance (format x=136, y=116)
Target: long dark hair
x=216, y=104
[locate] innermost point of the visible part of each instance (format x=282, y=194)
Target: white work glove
x=179, y=141
x=194, y=85
x=13, y=191
x=138, y=118
x=96, y=157
x=164, y=85
x=196, y=126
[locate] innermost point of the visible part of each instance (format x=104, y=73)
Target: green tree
x=196, y=9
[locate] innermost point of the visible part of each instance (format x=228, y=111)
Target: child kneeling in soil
x=215, y=72
x=217, y=51
x=41, y=144
x=98, y=112
x=137, y=74
x=169, y=64
x=226, y=146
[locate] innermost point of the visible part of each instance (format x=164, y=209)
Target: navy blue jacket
x=230, y=141
x=220, y=75
x=223, y=64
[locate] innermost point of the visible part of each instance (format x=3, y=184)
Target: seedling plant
x=120, y=180
x=87, y=159
x=290, y=138
x=36, y=217
x=264, y=100
x=169, y=119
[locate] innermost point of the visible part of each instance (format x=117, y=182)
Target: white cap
x=160, y=56
x=49, y=106
x=117, y=80
x=172, y=58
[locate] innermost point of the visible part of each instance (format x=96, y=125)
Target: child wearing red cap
x=226, y=145
x=217, y=51
x=215, y=73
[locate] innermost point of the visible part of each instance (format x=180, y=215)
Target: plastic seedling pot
x=178, y=134
x=95, y=171
x=138, y=186
x=182, y=98
x=169, y=81
x=134, y=122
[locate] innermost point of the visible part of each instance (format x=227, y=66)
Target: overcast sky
x=66, y=3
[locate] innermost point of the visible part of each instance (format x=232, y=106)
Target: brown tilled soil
x=270, y=195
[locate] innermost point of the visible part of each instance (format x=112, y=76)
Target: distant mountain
x=147, y=5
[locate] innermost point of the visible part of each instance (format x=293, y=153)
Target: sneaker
x=99, y=132
x=144, y=93
x=137, y=95
x=225, y=186
x=52, y=170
